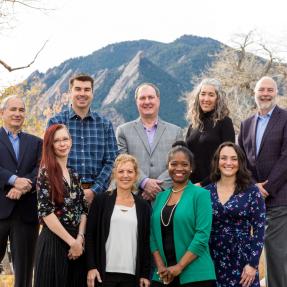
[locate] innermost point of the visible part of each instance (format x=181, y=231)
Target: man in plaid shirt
x=94, y=147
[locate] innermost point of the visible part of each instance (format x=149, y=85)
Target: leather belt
x=86, y=185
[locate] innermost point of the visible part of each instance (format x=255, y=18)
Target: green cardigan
x=191, y=227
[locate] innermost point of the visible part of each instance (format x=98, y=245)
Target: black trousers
x=23, y=237
x=176, y=283
x=119, y=280
x=53, y=268
x=275, y=246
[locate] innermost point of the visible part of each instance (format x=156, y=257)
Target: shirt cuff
x=143, y=182
x=12, y=179
x=96, y=188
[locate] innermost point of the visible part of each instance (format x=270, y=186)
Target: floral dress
x=237, y=234
x=52, y=264
x=69, y=213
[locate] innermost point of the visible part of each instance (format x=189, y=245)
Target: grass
x=6, y=280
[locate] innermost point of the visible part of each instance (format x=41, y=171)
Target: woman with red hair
x=62, y=211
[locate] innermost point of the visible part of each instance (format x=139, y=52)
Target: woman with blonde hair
x=118, y=229
x=209, y=126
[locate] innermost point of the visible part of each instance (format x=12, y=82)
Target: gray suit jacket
x=132, y=139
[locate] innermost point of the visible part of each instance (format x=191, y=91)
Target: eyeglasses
x=59, y=141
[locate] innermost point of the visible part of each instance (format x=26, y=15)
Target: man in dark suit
x=263, y=137
x=19, y=158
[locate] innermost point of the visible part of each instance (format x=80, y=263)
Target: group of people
x=108, y=201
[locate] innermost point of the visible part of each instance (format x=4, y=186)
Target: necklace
x=178, y=190
x=171, y=213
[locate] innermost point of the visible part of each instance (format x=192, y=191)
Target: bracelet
x=82, y=235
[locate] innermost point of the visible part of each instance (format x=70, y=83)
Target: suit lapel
x=159, y=131
x=138, y=210
x=142, y=134
x=5, y=140
x=253, y=133
x=272, y=122
x=22, y=147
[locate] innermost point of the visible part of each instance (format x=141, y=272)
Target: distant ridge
x=118, y=68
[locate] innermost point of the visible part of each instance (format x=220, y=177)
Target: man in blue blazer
x=263, y=137
x=19, y=159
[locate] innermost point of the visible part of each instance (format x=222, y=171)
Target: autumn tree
x=239, y=68
x=34, y=122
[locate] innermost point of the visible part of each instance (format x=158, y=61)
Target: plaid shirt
x=94, y=147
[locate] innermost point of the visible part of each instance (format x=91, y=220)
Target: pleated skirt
x=53, y=268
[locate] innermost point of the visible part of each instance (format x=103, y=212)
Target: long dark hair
x=49, y=162
x=243, y=175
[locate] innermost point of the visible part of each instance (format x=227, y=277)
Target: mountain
x=118, y=69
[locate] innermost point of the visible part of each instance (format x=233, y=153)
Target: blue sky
x=77, y=28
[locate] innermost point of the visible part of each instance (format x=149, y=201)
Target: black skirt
x=52, y=265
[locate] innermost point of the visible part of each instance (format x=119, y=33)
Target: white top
x=121, y=245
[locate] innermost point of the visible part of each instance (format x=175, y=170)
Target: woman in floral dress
x=236, y=239
x=62, y=211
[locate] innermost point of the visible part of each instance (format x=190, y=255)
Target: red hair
x=49, y=162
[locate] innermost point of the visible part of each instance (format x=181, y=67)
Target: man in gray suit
x=263, y=137
x=149, y=139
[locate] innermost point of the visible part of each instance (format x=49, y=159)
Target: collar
x=72, y=114
x=10, y=133
x=268, y=115
x=154, y=124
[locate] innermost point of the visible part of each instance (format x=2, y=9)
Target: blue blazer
x=271, y=162
x=30, y=150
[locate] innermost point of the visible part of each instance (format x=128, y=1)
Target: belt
x=86, y=185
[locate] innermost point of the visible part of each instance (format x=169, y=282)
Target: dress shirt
x=150, y=132
x=15, y=141
x=94, y=147
x=262, y=122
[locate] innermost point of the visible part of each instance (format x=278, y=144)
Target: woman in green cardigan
x=180, y=228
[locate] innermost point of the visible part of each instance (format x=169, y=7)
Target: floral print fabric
x=237, y=234
x=74, y=205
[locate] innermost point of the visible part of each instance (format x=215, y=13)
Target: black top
x=98, y=228
x=167, y=234
x=203, y=145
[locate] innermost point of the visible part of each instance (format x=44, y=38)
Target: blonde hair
x=124, y=158
x=195, y=113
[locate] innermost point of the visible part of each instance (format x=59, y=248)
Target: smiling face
x=228, y=162
x=207, y=98
x=125, y=176
x=13, y=114
x=179, y=168
x=147, y=102
x=265, y=95
x=62, y=143
x=81, y=95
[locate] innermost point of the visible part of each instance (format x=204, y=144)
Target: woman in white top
x=117, y=239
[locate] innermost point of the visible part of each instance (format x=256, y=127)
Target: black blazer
x=271, y=162
x=97, y=232
x=27, y=166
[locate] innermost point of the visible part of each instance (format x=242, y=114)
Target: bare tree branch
x=10, y=69
x=25, y=3
x=238, y=70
